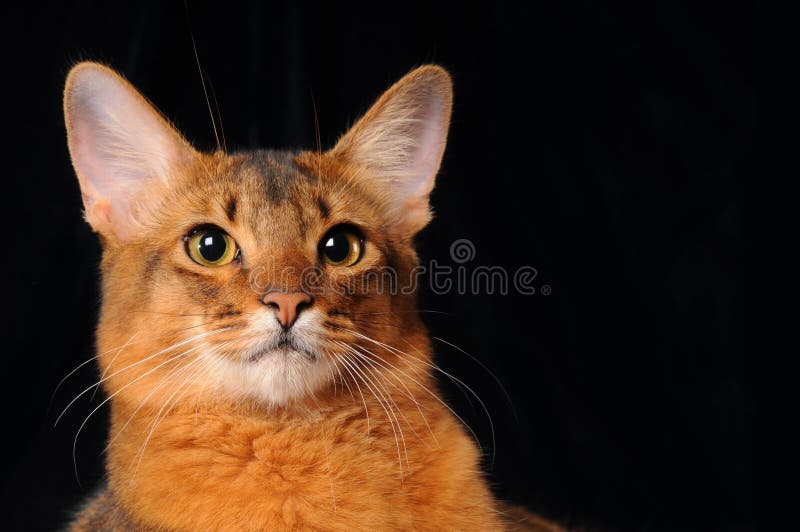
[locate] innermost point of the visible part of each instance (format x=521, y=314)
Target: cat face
x=260, y=275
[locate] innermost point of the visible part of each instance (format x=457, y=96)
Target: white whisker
x=129, y=342
x=114, y=359
x=409, y=394
x=173, y=373
x=358, y=387
x=389, y=417
x=482, y=365
x=200, y=367
x=141, y=361
x=370, y=367
x=437, y=368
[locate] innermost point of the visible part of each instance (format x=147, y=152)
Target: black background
x=603, y=145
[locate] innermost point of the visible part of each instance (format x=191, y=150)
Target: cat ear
x=400, y=141
x=119, y=143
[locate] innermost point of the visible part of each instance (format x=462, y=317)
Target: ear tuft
x=119, y=144
x=400, y=141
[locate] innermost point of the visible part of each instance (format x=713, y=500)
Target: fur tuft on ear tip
x=400, y=141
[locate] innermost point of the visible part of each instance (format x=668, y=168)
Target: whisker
x=325, y=446
x=358, y=387
x=170, y=348
x=87, y=361
x=455, y=379
x=219, y=113
x=105, y=371
x=335, y=367
x=318, y=136
x=308, y=387
x=347, y=360
x=332, y=375
x=409, y=394
x=389, y=417
x=368, y=367
x=451, y=377
x=151, y=370
x=216, y=364
x=184, y=370
x=196, y=362
x=174, y=314
x=482, y=365
x=417, y=311
x=373, y=370
x=202, y=78
x=173, y=373
x=359, y=320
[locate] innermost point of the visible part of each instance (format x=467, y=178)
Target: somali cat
x=243, y=398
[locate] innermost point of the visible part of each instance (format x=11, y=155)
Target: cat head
x=259, y=275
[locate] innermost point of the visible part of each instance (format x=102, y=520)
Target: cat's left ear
x=122, y=148
x=400, y=141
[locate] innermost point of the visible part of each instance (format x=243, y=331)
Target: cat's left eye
x=211, y=246
x=341, y=246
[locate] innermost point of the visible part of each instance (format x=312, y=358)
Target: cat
x=243, y=398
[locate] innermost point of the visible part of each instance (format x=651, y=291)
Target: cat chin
x=275, y=378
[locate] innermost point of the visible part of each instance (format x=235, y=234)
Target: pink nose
x=287, y=305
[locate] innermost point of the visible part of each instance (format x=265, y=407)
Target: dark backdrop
x=603, y=146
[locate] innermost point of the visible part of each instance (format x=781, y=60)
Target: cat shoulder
x=102, y=512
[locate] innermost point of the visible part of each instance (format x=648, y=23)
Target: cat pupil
x=337, y=248
x=212, y=247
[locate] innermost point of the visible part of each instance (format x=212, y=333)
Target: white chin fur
x=279, y=377
x=276, y=379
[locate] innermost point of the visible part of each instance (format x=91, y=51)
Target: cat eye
x=211, y=246
x=341, y=246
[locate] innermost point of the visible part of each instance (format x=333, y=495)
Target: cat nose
x=287, y=305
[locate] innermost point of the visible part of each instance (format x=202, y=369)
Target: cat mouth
x=285, y=345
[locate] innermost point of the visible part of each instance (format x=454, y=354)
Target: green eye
x=341, y=246
x=211, y=246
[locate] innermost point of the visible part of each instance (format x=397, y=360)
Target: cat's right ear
x=120, y=145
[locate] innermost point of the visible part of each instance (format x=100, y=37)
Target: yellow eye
x=341, y=246
x=211, y=246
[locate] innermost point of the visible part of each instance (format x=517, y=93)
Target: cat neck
x=218, y=462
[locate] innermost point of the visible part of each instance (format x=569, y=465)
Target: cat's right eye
x=211, y=246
